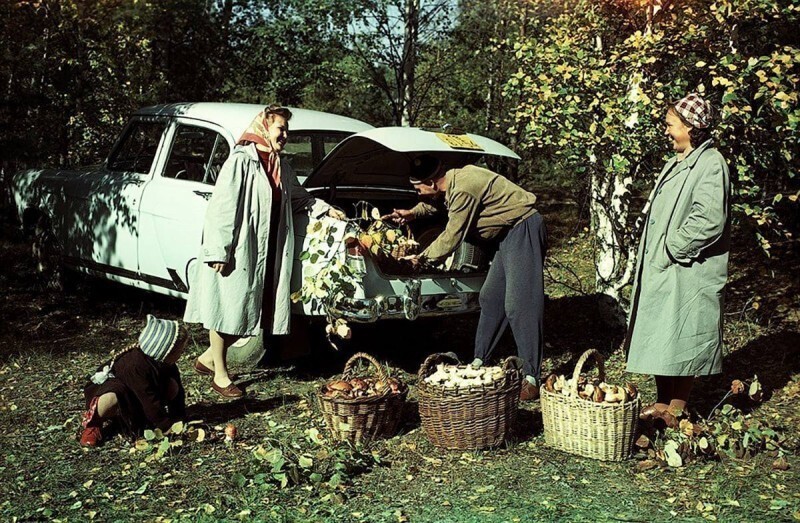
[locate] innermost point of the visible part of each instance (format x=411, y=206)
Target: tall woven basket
x=359, y=420
x=466, y=419
x=593, y=430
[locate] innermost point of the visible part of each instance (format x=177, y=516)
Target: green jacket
x=481, y=204
x=675, y=322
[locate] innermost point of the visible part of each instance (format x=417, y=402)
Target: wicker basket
x=594, y=430
x=359, y=420
x=475, y=418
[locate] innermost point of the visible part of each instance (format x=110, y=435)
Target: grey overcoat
x=236, y=231
x=675, y=322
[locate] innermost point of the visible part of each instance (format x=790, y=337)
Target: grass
x=49, y=343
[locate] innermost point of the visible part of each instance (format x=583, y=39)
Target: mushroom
x=230, y=432
x=550, y=383
x=395, y=385
x=631, y=390
x=340, y=386
x=614, y=394
x=587, y=392
x=598, y=395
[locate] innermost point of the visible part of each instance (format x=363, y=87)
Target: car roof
x=235, y=117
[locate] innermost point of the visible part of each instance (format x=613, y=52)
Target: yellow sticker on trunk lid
x=459, y=141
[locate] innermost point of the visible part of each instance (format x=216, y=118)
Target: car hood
x=382, y=157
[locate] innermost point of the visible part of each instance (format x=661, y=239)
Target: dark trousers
x=513, y=294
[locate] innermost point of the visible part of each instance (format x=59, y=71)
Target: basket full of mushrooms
x=464, y=408
x=361, y=408
x=587, y=416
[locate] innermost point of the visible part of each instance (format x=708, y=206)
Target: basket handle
x=601, y=367
x=348, y=367
x=408, y=232
x=433, y=359
x=512, y=360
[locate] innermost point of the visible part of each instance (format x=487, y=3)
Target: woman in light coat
x=242, y=282
x=675, y=323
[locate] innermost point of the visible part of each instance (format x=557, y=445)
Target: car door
x=175, y=201
x=110, y=209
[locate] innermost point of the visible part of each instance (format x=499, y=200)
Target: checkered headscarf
x=695, y=110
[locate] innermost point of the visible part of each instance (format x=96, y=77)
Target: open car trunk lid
x=382, y=157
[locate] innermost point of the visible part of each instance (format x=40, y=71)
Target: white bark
x=409, y=60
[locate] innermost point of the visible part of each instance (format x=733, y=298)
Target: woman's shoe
x=529, y=391
x=231, y=391
x=202, y=369
x=91, y=437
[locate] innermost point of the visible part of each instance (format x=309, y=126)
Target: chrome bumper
x=410, y=305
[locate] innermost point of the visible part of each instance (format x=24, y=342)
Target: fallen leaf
x=781, y=463
x=646, y=464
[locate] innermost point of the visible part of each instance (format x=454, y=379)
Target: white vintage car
x=137, y=218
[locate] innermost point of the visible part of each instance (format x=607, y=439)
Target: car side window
x=197, y=154
x=138, y=148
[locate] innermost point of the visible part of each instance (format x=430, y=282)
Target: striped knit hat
x=695, y=110
x=159, y=337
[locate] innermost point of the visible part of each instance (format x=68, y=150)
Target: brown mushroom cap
x=598, y=395
x=631, y=391
x=548, y=384
x=359, y=384
x=339, y=385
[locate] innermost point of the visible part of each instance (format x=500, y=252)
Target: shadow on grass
x=572, y=325
x=774, y=358
x=224, y=411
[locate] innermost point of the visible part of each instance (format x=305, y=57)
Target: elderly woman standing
x=675, y=323
x=242, y=282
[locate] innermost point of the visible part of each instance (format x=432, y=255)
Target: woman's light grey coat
x=675, y=323
x=236, y=231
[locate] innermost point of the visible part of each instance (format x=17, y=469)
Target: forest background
x=578, y=88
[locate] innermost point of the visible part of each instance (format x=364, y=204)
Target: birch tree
x=387, y=36
x=595, y=81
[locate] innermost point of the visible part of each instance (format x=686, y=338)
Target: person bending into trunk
x=487, y=207
x=140, y=386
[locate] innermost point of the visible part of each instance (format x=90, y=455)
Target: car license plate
x=459, y=141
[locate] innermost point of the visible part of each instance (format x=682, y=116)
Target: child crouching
x=140, y=386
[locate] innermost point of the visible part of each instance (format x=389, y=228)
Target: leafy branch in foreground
x=728, y=432
x=283, y=460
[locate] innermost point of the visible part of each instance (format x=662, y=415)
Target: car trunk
x=374, y=166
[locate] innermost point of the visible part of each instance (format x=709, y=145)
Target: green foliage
x=594, y=83
x=156, y=444
x=283, y=460
x=728, y=432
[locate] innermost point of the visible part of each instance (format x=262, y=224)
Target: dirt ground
x=50, y=342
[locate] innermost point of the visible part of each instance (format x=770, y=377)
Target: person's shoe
x=202, y=369
x=91, y=436
x=649, y=412
x=231, y=391
x=669, y=419
x=529, y=391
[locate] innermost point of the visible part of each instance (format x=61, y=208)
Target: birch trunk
x=409, y=61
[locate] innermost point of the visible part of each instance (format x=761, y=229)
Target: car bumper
x=368, y=310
